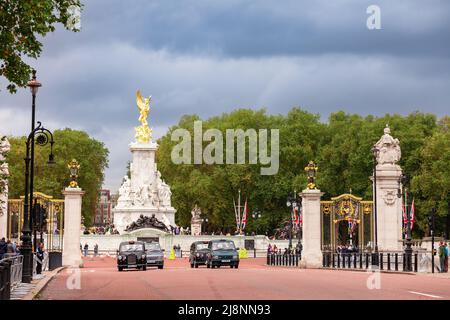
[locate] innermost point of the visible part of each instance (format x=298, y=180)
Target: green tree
x=90, y=153
x=21, y=25
x=341, y=147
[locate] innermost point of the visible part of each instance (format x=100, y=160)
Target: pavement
x=28, y=291
x=100, y=280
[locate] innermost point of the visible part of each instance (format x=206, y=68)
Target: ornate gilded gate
x=53, y=228
x=346, y=214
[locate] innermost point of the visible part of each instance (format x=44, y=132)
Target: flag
x=404, y=214
x=300, y=217
x=236, y=215
x=411, y=215
x=244, y=215
x=295, y=217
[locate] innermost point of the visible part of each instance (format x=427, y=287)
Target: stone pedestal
x=312, y=251
x=389, y=208
x=71, y=256
x=145, y=192
x=4, y=219
x=196, y=227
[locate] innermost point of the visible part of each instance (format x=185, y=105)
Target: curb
x=365, y=270
x=42, y=284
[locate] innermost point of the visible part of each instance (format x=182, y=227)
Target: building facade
x=102, y=216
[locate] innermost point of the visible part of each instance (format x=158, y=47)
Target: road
x=100, y=280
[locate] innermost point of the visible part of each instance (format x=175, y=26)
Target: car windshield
x=153, y=246
x=225, y=245
x=201, y=246
x=131, y=247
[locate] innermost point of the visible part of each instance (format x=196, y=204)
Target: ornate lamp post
x=204, y=222
x=402, y=182
x=431, y=226
x=40, y=136
x=256, y=215
x=375, y=152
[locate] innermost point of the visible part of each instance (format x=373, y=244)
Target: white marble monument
x=144, y=193
x=389, y=206
x=5, y=147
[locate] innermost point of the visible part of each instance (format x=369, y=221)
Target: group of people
x=347, y=249
x=443, y=253
x=275, y=250
x=8, y=248
x=85, y=249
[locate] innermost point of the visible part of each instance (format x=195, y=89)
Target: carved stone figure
x=388, y=149
x=5, y=147
x=147, y=222
x=196, y=213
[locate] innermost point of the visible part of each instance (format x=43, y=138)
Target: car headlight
x=215, y=257
x=235, y=257
x=120, y=257
x=197, y=255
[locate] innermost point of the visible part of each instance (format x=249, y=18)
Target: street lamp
x=256, y=215
x=40, y=136
x=402, y=182
x=204, y=221
x=375, y=152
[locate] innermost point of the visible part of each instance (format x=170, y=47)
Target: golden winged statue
x=143, y=132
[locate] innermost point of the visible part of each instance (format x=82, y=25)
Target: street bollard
x=396, y=262
x=389, y=261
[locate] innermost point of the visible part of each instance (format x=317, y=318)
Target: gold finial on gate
x=73, y=166
x=311, y=170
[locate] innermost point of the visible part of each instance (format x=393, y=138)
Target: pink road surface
x=100, y=280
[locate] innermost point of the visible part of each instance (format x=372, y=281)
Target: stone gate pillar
x=389, y=206
x=71, y=256
x=312, y=251
x=5, y=147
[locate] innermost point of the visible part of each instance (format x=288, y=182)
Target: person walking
x=40, y=258
x=441, y=254
x=86, y=248
x=446, y=254
x=95, y=250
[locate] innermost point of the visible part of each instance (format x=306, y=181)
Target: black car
x=131, y=254
x=222, y=253
x=155, y=255
x=198, y=253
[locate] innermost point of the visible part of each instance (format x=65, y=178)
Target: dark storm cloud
x=209, y=57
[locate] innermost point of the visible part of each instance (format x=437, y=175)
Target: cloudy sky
x=211, y=56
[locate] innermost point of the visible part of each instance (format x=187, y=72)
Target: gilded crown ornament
x=143, y=132
x=311, y=170
x=73, y=166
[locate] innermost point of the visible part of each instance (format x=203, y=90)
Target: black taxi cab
x=131, y=254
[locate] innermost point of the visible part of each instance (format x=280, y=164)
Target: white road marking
x=425, y=294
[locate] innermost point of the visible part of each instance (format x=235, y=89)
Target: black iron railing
x=390, y=261
x=284, y=259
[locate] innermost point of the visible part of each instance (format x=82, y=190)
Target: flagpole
x=239, y=212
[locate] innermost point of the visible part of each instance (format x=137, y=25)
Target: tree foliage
x=90, y=153
x=21, y=25
x=341, y=147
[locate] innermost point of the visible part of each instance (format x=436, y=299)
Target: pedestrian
x=2, y=248
x=446, y=257
x=10, y=249
x=40, y=258
x=86, y=248
x=269, y=249
x=95, y=250
x=441, y=254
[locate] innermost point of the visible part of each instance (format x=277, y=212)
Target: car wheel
x=192, y=265
x=196, y=265
x=160, y=267
x=236, y=266
x=218, y=266
x=231, y=267
x=144, y=268
x=207, y=265
x=120, y=268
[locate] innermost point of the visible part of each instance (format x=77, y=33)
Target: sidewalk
x=28, y=291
